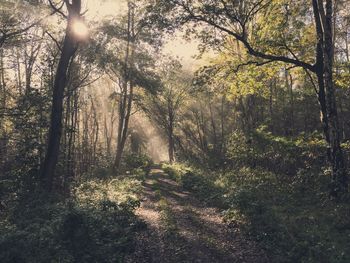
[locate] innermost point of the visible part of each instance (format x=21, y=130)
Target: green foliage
x=137, y=162
x=275, y=190
x=92, y=193
x=293, y=222
x=175, y=171
x=278, y=193
x=96, y=225
x=281, y=155
x=167, y=217
x=199, y=182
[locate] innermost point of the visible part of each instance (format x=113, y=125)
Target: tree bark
x=339, y=177
x=3, y=105
x=326, y=95
x=127, y=92
x=171, y=143
x=69, y=48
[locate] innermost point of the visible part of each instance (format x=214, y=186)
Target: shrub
x=137, y=161
x=293, y=222
x=87, y=228
x=200, y=182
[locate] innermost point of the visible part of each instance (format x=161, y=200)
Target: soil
x=180, y=228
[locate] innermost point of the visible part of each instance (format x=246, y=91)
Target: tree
x=126, y=87
x=13, y=23
x=131, y=67
x=164, y=106
x=68, y=50
x=247, y=22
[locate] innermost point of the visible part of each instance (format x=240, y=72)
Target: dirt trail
x=182, y=229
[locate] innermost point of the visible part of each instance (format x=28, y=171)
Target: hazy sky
x=104, y=7
x=176, y=46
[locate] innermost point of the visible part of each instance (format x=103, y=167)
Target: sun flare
x=80, y=29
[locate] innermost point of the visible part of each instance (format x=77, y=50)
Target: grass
x=167, y=217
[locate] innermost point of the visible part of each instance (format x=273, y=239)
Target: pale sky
x=104, y=8
x=176, y=46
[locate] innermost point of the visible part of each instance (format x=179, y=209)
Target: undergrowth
x=167, y=217
x=96, y=224
x=276, y=191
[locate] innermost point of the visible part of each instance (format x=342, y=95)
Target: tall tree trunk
x=95, y=136
x=171, y=148
x=326, y=95
x=271, y=106
x=290, y=82
x=127, y=93
x=3, y=105
x=171, y=143
x=222, y=120
x=213, y=125
x=19, y=75
x=339, y=177
x=124, y=130
x=55, y=132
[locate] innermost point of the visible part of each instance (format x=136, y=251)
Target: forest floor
x=180, y=228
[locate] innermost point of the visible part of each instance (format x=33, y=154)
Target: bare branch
x=55, y=40
x=58, y=9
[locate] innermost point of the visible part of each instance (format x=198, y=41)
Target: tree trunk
x=3, y=105
x=213, y=125
x=127, y=93
x=171, y=149
x=326, y=95
x=55, y=132
x=171, y=143
x=339, y=177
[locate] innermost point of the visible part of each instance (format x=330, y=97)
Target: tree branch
x=242, y=38
x=256, y=63
x=54, y=40
x=58, y=9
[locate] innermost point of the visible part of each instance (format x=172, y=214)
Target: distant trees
x=270, y=60
x=164, y=106
x=129, y=62
x=126, y=85
x=22, y=99
x=254, y=25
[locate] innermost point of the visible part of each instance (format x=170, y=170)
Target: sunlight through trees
x=174, y=131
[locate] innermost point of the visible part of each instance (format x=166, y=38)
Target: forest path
x=182, y=229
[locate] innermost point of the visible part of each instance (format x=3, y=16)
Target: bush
x=87, y=228
x=275, y=190
x=200, y=182
x=279, y=155
x=293, y=221
x=137, y=161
